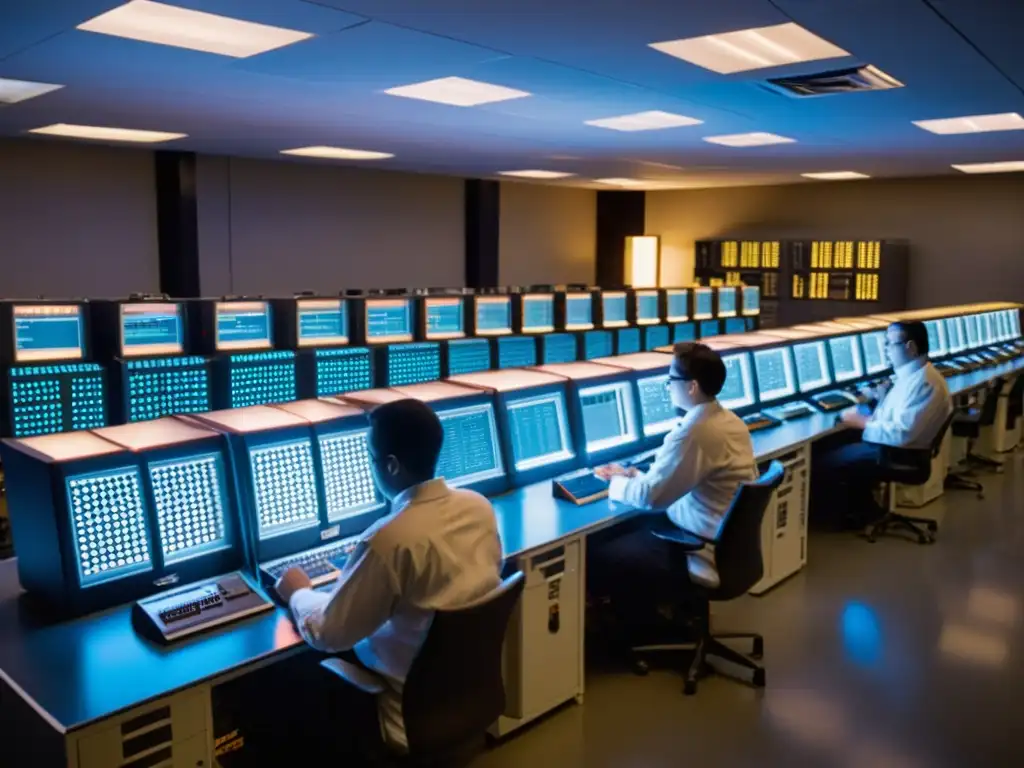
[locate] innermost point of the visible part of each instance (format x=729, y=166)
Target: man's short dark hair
x=915, y=331
x=702, y=364
x=411, y=432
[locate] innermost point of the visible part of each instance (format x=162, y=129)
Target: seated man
x=438, y=549
x=908, y=416
x=694, y=477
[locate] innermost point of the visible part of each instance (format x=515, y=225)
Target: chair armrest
x=363, y=679
x=688, y=542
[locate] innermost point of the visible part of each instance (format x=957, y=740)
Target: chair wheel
x=689, y=687
x=758, y=651
x=933, y=527
x=923, y=538
x=759, y=678
x=641, y=667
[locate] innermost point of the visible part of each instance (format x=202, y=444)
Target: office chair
x=1015, y=404
x=908, y=466
x=454, y=691
x=740, y=566
x=970, y=424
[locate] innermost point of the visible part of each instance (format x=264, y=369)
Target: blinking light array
x=348, y=481
x=285, y=488
x=260, y=378
x=188, y=494
x=342, y=370
x=166, y=386
x=55, y=398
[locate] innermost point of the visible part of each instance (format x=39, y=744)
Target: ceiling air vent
x=852, y=80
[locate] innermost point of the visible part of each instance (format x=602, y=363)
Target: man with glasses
x=693, y=479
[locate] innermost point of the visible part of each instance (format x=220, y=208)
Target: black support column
x=619, y=214
x=177, y=230
x=483, y=211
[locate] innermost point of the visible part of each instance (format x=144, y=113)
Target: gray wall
x=76, y=220
x=966, y=233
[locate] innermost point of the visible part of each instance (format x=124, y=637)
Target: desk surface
x=64, y=670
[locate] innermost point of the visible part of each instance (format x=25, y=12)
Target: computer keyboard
x=323, y=564
x=581, y=487
x=756, y=421
x=793, y=411
x=834, y=401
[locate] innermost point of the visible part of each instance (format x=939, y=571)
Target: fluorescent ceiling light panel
x=13, y=91
x=748, y=139
x=835, y=175
x=537, y=174
x=102, y=133
x=457, y=91
x=337, y=153
x=198, y=31
x=644, y=121
x=1007, y=121
x=622, y=182
x=749, y=49
x=1008, y=166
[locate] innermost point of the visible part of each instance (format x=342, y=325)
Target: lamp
x=643, y=261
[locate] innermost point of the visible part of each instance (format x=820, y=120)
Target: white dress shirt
x=438, y=549
x=695, y=475
x=913, y=412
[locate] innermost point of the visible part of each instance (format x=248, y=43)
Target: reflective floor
x=886, y=655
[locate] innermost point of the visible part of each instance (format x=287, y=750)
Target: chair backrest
x=988, y=408
x=738, y=545
x=941, y=435
x=454, y=690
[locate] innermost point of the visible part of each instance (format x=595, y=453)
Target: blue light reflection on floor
x=862, y=634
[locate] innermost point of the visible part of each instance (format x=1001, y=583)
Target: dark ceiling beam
x=483, y=212
x=619, y=215
x=176, y=219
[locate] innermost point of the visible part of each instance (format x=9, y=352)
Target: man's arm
x=906, y=422
x=364, y=599
x=675, y=472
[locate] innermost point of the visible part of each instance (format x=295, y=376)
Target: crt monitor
x=443, y=317
x=627, y=341
x=1003, y=326
x=677, y=302
x=876, y=358
x=45, y=332
x=988, y=332
x=597, y=344
x=647, y=311
x=973, y=331
x=736, y=325
x=388, y=320
x=709, y=328
x=538, y=310
x=846, y=361
x=242, y=325
x=538, y=432
x=811, y=366
x=579, y=311
x=517, y=352
x=608, y=417
x=657, y=413
x=776, y=377
x=613, y=309
x=703, y=304
x=468, y=356
x=936, y=338
x=1014, y=316
x=560, y=348
x=738, y=391
x=955, y=335
x=321, y=322
x=151, y=329
x=727, y=301
x=493, y=315
x=471, y=451
x=751, y=300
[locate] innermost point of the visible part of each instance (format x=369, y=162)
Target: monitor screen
x=321, y=322
x=702, y=304
x=561, y=347
x=191, y=508
x=243, y=325
x=738, y=390
x=609, y=416
x=1014, y=315
x=493, y=315
x=736, y=325
x=936, y=338
x=348, y=478
x=876, y=359
x=597, y=344
x=629, y=341
x=684, y=332
x=973, y=331
x=727, y=301
x=613, y=304
x=413, y=363
x=468, y=356
x=988, y=331
x=656, y=409
x=954, y=335
x=647, y=307
x=538, y=313
x=1006, y=332
x=48, y=332
x=578, y=311
x=343, y=370
x=709, y=328
x=676, y=309
x=284, y=487
x=517, y=352
x=388, y=320
x=538, y=430
x=443, y=318
x=751, y=300
x=656, y=336
x=151, y=329
x=811, y=365
x=470, y=452
x=776, y=378
x=846, y=362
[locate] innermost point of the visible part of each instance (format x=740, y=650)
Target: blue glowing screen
x=245, y=324
x=517, y=351
x=629, y=340
x=468, y=356
x=322, y=322
x=348, y=479
x=538, y=312
x=493, y=313
x=614, y=307
x=47, y=332
x=578, y=310
x=413, y=363
x=559, y=348
x=388, y=319
x=539, y=430
x=470, y=452
x=444, y=317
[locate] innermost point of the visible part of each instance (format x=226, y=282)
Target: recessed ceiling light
x=102, y=133
x=337, y=153
x=537, y=174
x=1007, y=121
x=1008, y=166
x=748, y=139
x=644, y=121
x=13, y=91
x=622, y=182
x=457, y=91
x=835, y=175
x=183, y=28
x=749, y=49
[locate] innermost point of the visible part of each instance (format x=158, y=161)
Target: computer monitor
x=876, y=358
x=751, y=300
x=727, y=301
x=811, y=366
x=656, y=336
x=936, y=338
x=954, y=335
x=709, y=328
x=677, y=305
x=468, y=356
x=559, y=347
x=242, y=325
x=656, y=410
x=988, y=332
x=703, y=304
x=736, y=325
x=1014, y=322
x=388, y=320
x=283, y=477
x=613, y=309
x=471, y=451
x=321, y=323
x=443, y=317
x=627, y=341
x=493, y=315
x=846, y=360
x=597, y=344
x=579, y=311
x=538, y=430
x=399, y=364
x=349, y=489
x=608, y=416
x=776, y=378
x=45, y=332
x=151, y=329
x=647, y=309
x=684, y=332
x=517, y=351
x=538, y=312
x=1002, y=325
x=973, y=331
x=738, y=391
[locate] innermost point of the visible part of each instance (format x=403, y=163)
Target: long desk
x=65, y=686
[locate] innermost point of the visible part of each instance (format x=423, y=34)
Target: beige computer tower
x=784, y=529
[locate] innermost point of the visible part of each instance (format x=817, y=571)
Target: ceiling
x=581, y=60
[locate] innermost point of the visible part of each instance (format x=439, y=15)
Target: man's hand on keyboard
x=608, y=471
x=853, y=418
x=292, y=581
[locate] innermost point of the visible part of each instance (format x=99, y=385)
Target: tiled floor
x=891, y=655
